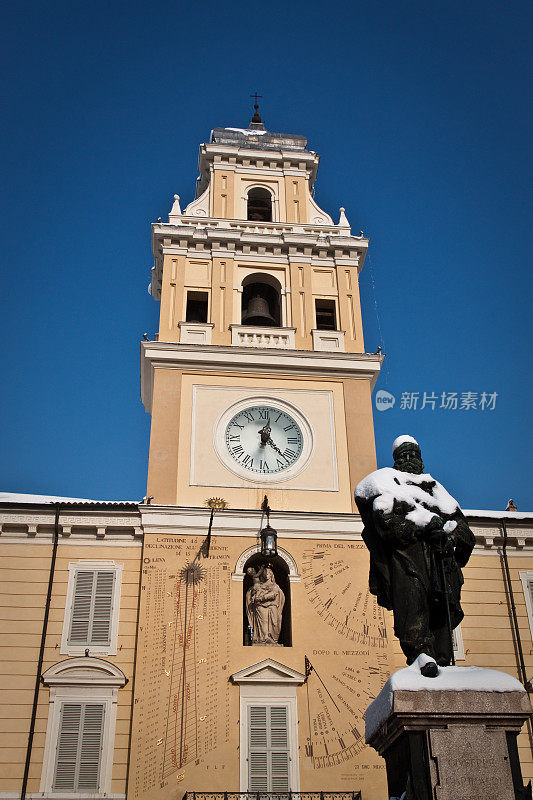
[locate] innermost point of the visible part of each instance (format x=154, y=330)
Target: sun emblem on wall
x=192, y=573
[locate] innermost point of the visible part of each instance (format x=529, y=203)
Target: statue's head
x=268, y=575
x=407, y=455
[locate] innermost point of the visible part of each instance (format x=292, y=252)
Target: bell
x=258, y=313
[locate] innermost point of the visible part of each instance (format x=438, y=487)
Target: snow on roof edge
x=469, y=512
x=44, y=499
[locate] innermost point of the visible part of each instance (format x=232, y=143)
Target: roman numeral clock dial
x=264, y=440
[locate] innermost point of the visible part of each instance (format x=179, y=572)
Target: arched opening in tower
x=261, y=301
x=259, y=205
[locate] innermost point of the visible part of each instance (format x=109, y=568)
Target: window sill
x=94, y=650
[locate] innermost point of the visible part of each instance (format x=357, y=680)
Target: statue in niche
x=264, y=606
x=419, y=540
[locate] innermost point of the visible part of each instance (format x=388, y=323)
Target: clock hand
x=276, y=448
x=265, y=439
x=265, y=433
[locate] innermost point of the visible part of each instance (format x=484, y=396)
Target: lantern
x=269, y=542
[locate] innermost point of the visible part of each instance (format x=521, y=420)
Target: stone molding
x=268, y=671
x=211, y=237
x=83, y=671
x=238, y=574
x=257, y=360
x=28, y=523
x=16, y=524
x=233, y=157
x=245, y=523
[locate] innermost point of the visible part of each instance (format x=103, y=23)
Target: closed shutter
x=268, y=748
x=79, y=747
x=530, y=587
x=92, y=607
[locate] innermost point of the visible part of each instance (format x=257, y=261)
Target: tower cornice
x=276, y=241
x=232, y=156
x=256, y=361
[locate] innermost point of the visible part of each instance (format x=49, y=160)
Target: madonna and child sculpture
x=264, y=606
x=418, y=540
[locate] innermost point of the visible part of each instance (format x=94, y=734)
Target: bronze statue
x=418, y=540
x=264, y=606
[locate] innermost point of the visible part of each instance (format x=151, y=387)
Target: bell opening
x=259, y=205
x=260, y=305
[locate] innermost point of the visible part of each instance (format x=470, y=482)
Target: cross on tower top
x=256, y=119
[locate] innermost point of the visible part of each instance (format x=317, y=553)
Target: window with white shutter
x=80, y=732
x=527, y=585
x=268, y=748
x=91, y=614
x=79, y=747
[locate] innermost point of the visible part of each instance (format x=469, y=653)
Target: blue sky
x=421, y=114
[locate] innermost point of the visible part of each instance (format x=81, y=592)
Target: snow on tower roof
x=258, y=139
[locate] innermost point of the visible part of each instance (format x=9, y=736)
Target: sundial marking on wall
x=337, y=696
x=184, y=636
x=335, y=706
x=342, y=598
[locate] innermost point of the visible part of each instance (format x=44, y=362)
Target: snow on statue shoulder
x=418, y=540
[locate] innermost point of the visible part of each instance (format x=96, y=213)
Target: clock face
x=263, y=439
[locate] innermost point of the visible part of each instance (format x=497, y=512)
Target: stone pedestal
x=446, y=743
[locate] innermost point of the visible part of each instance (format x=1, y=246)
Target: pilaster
x=222, y=299
x=360, y=431
x=303, y=316
x=349, y=308
x=296, y=199
x=171, y=297
x=164, y=436
x=223, y=193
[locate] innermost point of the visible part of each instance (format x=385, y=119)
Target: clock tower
x=259, y=646
x=258, y=380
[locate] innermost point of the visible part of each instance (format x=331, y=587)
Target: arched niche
x=280, y=568
x=262, y=292
x=238, y=574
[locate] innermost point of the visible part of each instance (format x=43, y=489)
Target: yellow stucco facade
x=153, y=545
x=150, y=682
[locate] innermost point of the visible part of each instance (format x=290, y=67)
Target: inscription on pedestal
x=484, y=766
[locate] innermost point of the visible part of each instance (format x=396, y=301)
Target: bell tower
x=258, y=379
x=259, y=642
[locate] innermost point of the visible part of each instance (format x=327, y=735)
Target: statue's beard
x=414, y=465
